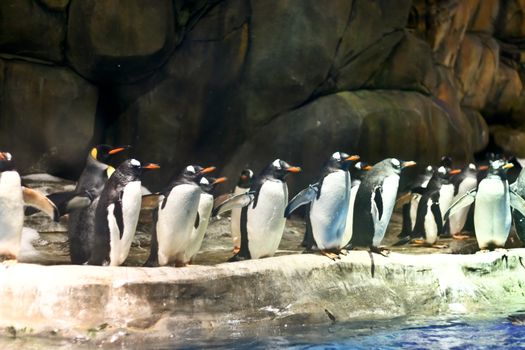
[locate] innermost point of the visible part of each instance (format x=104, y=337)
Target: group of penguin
x=349, y=206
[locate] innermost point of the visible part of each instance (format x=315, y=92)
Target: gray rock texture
x=194, y=81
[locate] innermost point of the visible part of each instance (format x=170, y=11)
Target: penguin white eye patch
x=396, y=162
x=135, y=162
x=191, y=169
x=277, y=163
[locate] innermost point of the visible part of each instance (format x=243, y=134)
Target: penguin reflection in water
x=492, y=211
x=13, y=197
x=329, y=201
x=117, y=213
x=375, y=202
x=176, y=217
x=262, y=214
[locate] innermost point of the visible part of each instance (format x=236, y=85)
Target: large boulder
x=375, y=124
x=476, y=68
x=511, y=20
x=505, y=91
x=190, y=113
x=510, y=140
x=47, y=116
x=292, y=46
x=119, y=41
x=27, y=29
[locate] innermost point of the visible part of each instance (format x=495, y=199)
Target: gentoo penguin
x=176, y=217
x=207, y=184
x=80, y=204
x=375, y=202
x=519, y=220
x=515, y=171
x=431, y=211
x=463, y=182
x=117, y=213
x=357, y=172
x=13, y=197
x=243, y=185
x=493, y=201
x=329, y=200
x=262, y=214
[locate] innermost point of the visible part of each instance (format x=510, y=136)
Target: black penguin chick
x=375, y=202
x=117, y=213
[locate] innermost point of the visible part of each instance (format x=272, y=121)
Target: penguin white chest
x=328, y=213
x=349, y=224
x=11, y=213
x=457, y=221
x=265, y=222
x=431, y=228
x=388, y=195
x=236, y=219
x=446, y=195
x=120, y=242
x=492, y=217
x=176, y=218
x=197, y=234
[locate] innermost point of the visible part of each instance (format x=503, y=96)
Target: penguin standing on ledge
x=375, y=202
x=262, y=214
x=245, y=181
x=329, y=201
x=81, y=204
x=117, y=213
x=175, y=218
x=492, y=212
x=13, y=197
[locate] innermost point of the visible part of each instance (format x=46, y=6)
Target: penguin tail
x=402, y=241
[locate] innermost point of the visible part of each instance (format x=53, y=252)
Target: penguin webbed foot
x=151, y=263
x=460, y=236
x=380, y=250
x=11, y=261
x=331, y=254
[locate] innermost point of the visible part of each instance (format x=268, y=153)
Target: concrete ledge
x=79, y=301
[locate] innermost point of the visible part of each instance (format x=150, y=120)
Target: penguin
x=176, y=217
x=431, y=210
x=493, y=200
x=375, y=202
x=463, y=182
x=243, y=185
x=117, y=213
x=263, y=209
x=80, y=204
x=519, y=220
x=207, y=184
x=357, y=174
x=329, y=200
x=13, y=197
x=515, y=171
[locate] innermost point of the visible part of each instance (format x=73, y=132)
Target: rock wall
x=239, y=82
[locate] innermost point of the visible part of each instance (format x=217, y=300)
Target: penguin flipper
x=463, y=201
x=304, y=197
x=37, y=200
x=117, y=212
x=238, y=201
x=378, y=201
x=517, y=202
x=434, y=208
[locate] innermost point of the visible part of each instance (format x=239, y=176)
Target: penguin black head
x=208, y=183
x=246, y=179
x=340, y=160
x=6, y=161
x=102, y=153
x=132, y=168
x=499, y=168
x=446, y=161
x=444, y=172
x=279, y=169
x=399, y=165
x=196, y=172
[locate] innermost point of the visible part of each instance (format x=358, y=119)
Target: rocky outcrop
x=194, y=81
x=103, y=303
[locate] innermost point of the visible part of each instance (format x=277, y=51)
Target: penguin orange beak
x=483, y=167
x=293, y=169
x=117, y=150
x=353, y=157
x=508, y=166
x=151, y=166
x=208, y=170
x=408, y=163
x=455, y=171
x=220, y=180
x=367, y=167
